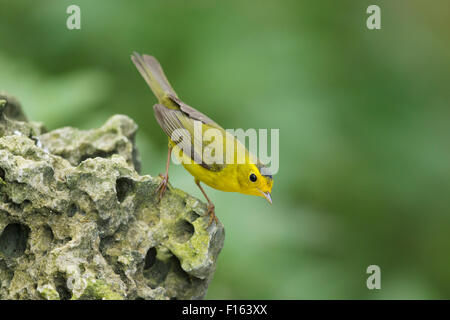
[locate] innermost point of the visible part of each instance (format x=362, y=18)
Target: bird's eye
x=253, y=177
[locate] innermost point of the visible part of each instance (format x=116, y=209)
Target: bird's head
x=256, y=181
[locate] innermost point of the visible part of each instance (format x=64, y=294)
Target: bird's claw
x=162, y=186
x=212, y=214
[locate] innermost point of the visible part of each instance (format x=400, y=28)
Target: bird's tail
x=151, y=71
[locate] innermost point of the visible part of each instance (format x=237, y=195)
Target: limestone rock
x=77, y=221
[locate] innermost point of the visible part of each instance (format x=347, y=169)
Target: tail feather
x=151, y=71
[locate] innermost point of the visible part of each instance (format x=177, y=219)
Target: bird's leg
x=165, y=179
x=211, y=208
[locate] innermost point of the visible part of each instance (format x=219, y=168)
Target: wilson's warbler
x=237, y=170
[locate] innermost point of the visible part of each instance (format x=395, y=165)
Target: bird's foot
x=212, y=214
x=162, y=186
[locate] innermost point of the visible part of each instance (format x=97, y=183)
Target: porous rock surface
x=77, y=221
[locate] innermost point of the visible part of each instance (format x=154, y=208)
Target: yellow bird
x=222, y=161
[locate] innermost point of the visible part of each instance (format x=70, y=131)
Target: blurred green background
x=363, y=116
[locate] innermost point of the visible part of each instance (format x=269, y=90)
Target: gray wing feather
x=182, y=134
x=193, y=113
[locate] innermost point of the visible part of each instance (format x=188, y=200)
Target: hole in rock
x=73, y=208
x=192, y=215
x=183, y=231
x=156, y=274
x=13, y=240
x=2, y=174
x=96, y=154
x=61, y=287
x=150, y=258
x=123, y=187
x=47, y=234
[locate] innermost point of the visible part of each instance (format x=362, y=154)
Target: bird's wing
x=193, y=113
x=188, y=133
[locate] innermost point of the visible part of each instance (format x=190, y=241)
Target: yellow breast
x=224, y=180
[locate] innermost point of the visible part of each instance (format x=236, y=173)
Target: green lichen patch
x=99, y=290
x=48, y=292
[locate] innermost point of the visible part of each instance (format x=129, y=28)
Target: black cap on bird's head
x=266, y=187
x=254, y=179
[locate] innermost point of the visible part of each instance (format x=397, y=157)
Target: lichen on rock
x=77, y=221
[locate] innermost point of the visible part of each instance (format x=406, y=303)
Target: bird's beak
x=267, y=195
